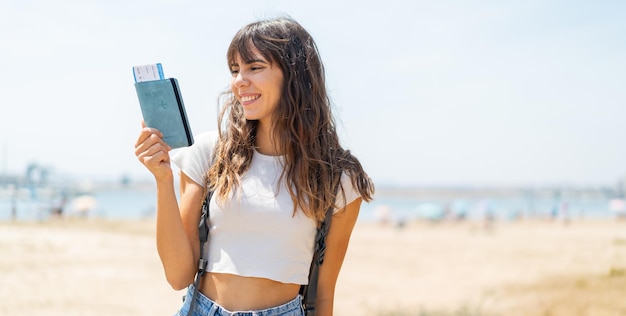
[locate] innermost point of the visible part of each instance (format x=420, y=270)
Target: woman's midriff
x=238, y=293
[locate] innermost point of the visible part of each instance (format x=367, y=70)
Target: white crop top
x=256, y=234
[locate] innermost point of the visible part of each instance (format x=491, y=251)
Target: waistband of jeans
x=206, y=303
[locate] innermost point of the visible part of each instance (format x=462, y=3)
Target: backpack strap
x=309, y=291
x=203, y=232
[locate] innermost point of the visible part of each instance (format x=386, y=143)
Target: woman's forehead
x=250, y=54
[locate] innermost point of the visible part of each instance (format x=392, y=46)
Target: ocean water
x=113, y=204
x=479, y=208
x=133, y=203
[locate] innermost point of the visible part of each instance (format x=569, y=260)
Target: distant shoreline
x=498, y=192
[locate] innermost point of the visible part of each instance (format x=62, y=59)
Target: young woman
x=275, y=166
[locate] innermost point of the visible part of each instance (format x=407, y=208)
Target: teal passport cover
x=162, y=107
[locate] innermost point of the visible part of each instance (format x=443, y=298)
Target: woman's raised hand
x=153, y=152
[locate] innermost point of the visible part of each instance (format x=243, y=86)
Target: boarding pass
x=149, y=72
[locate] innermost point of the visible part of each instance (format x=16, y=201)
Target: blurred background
x=494, y=131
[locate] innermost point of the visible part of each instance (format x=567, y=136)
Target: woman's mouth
x=247, y=99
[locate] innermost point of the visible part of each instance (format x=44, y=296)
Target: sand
x=95, y=267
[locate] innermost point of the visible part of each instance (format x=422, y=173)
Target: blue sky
x=425, y=92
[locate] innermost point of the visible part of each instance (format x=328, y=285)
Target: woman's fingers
x=153, y=152
x=147, y=132
x=154, y=157
x=151, y=147
x=150, y=144
x=147, y=138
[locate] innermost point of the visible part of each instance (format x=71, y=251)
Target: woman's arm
x=336, y=246
x=176, y=228
x=177, y=231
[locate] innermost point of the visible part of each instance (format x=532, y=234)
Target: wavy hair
x=303, y=123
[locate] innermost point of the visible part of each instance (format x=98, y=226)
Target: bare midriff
x=239, y=293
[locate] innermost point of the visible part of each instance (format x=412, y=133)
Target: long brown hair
x=302, y=123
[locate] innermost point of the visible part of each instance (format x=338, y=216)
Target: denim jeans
x=206, y=307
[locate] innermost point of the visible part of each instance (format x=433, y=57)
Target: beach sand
x=95, y=267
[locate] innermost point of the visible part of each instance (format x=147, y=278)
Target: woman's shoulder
x=206, y=139
x=194, y=160
x=203, y=145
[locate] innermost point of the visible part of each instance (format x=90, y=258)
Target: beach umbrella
x=617, y=205
x=83, y=203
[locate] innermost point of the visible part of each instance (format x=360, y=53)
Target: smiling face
x=257, y=84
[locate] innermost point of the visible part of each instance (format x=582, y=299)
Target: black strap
x=309, y=292
x=203, y=231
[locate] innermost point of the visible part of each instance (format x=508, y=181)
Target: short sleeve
x=195, y=160
x=349, y=193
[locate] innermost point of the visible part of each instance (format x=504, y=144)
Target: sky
x=424, y=92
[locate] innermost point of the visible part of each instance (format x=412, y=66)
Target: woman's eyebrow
x=252, y=61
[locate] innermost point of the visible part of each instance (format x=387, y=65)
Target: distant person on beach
x=59, y=206
x=13, y=207
x=275, y=166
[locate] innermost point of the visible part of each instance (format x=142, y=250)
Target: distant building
x=10, y=180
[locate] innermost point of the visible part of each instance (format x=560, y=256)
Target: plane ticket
x=148, y=72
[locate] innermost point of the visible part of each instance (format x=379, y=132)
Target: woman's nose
x=240, y=80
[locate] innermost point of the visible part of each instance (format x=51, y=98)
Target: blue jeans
x=206, y=307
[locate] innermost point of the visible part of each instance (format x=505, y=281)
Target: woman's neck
x=265, y=142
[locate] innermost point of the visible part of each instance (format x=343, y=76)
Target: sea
x=398, y=206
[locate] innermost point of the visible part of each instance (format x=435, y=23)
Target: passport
x=162, y=108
